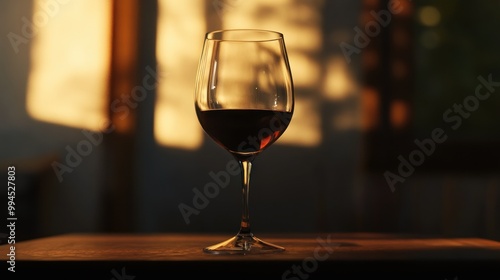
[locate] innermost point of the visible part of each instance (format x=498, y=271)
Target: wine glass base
x=242, y=244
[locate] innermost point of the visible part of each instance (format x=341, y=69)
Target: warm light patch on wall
x=339, y=83
x=300, y=24
x=181, y=30
x=306, y=72
x=70, y=63
x=340, y=87
x=304, y=129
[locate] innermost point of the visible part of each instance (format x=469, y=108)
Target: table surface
x=109, y=256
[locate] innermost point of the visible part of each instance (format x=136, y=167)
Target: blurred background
x=395, y=128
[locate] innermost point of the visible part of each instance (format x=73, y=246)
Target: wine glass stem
x=246, y=168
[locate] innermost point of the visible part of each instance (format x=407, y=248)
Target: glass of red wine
x=244, y=101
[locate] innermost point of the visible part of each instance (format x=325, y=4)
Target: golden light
x=183, y=23
x=338, y=83
x=429, y=16
x=305, y=127
x=181, y=30
x=300, y=24
x=306, y=72
x=339, y=86
x=70, y=58
x=302, y=40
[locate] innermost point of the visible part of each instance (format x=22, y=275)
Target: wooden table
x=307, y=256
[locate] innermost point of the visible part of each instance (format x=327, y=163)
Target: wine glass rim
x=265, y=35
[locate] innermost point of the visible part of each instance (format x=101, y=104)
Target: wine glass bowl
x=244, y=101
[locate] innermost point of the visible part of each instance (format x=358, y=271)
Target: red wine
x=244, y=132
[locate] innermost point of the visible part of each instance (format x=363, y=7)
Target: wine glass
x=244, y=101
